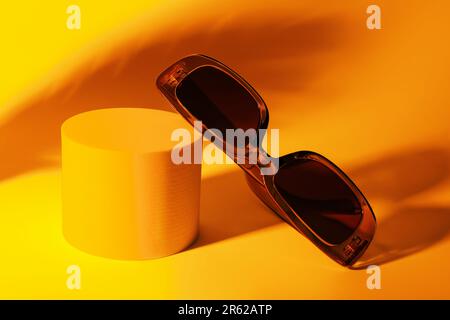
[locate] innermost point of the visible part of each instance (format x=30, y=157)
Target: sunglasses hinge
x=177, y=74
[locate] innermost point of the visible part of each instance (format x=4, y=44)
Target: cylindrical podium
x=122, y=195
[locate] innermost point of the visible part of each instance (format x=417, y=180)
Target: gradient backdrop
x=375, y=102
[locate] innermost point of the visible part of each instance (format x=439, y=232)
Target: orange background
x=376, y=102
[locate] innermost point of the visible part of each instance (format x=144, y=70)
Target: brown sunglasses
x=306, y=190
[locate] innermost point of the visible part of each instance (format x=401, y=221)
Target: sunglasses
x=306, y=190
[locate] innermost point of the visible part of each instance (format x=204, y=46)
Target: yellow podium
x=123, y=197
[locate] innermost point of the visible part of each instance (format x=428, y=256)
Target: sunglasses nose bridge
x=265, y=165
x=262, y=158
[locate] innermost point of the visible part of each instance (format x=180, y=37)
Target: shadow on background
x=403, y=175
x=229, y=208
x=262, y=50
x=407, y=229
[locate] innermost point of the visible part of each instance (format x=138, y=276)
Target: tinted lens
x=320, y=198
x=218, y=100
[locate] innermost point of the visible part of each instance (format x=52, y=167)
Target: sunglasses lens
x=320, y=198
x=218, y=100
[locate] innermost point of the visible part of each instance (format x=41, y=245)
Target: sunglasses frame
x=345, y=253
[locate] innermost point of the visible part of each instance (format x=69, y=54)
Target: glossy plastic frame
x=345, y=253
